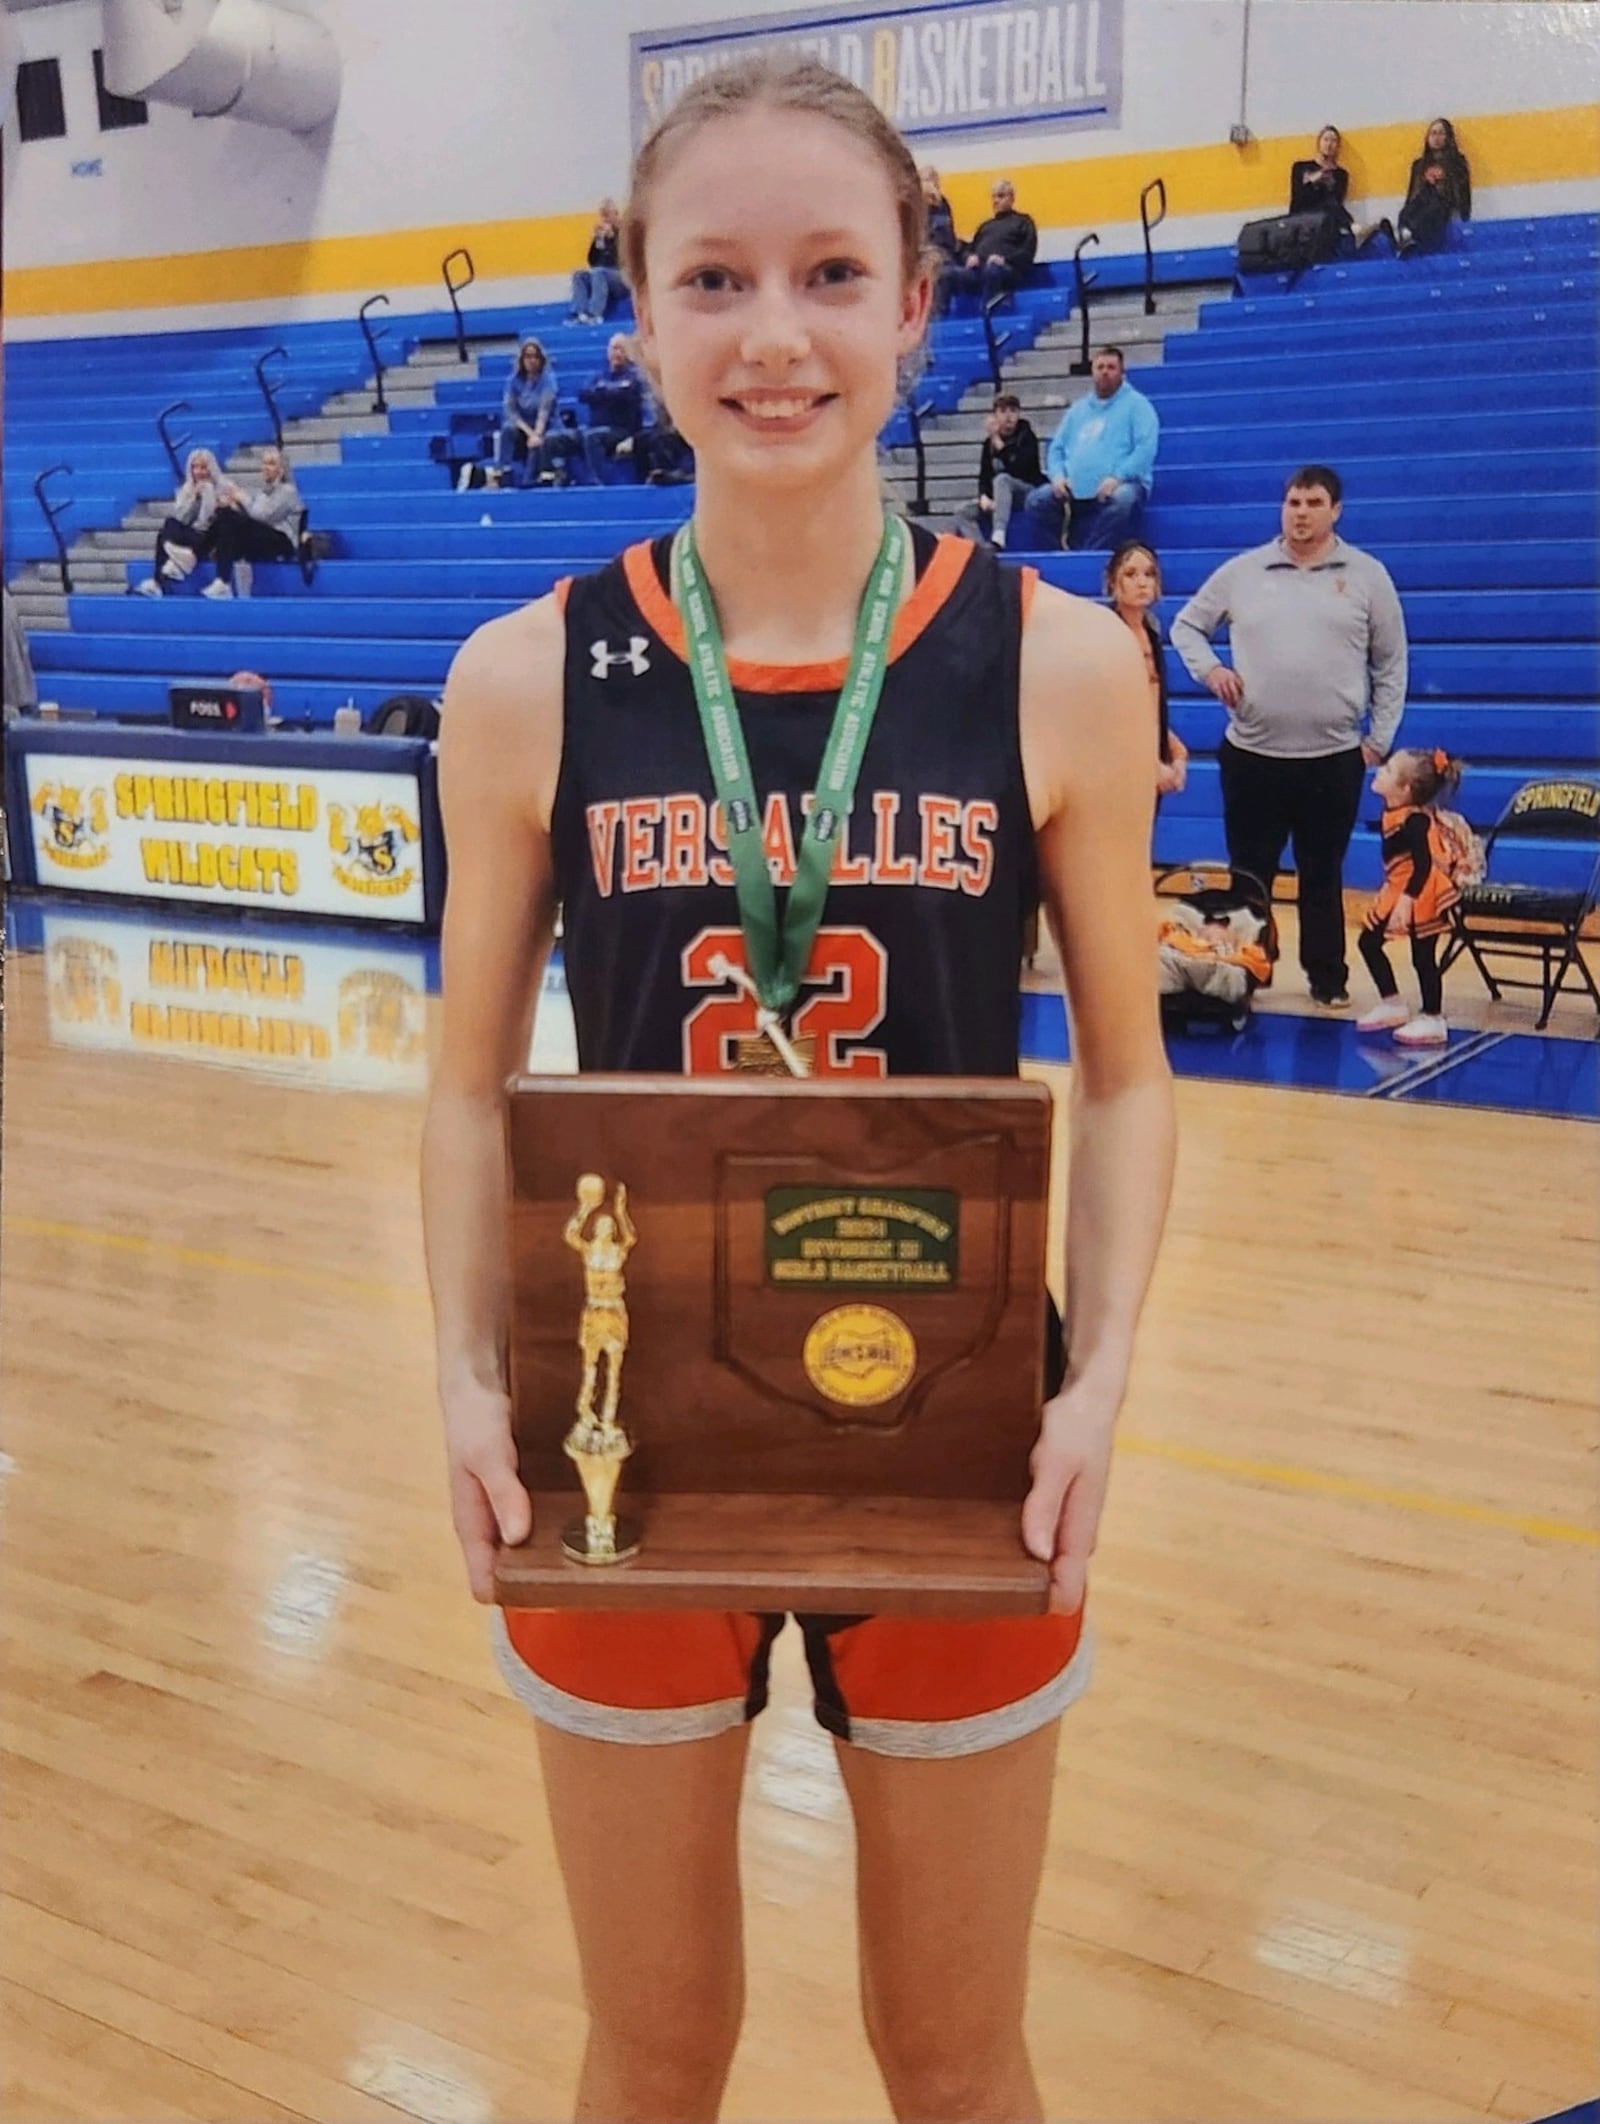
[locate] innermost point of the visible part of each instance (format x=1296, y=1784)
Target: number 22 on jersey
x=845, y=991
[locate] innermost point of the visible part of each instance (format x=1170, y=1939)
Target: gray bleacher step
x=249, y=458
x=398, y=391
x=319, y=427
x=41, y=614
x=116, y=545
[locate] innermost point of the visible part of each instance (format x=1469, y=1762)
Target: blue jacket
x=616, y=399
x=1105, y=438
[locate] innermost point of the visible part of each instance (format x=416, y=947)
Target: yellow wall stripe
x=1508, y=148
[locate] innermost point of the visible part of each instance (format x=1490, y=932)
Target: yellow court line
x=207, y=1257
x=1317, y=1482
x=1277, y=1474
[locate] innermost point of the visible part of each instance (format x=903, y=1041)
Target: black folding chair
x=1533, y=924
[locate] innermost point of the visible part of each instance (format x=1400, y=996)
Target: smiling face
x=775, y=305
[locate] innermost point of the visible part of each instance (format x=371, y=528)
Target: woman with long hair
x=1438, y=191
x=184, y=539
x=775, y=245
x=1133, y=584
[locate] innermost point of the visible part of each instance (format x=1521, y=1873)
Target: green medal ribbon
x=777, y=951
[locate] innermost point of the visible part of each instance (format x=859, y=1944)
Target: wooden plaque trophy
x=777, y=1345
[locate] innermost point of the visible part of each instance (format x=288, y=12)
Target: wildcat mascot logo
x=74, y=836
x=372, y=845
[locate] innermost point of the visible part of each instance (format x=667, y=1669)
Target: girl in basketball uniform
x=1416, y=896
x=774, y=242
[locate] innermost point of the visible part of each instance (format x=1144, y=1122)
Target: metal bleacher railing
x=380, y=403
x=51, y=512
x=453, y=288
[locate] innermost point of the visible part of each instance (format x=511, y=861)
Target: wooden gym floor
x=1325, y=1844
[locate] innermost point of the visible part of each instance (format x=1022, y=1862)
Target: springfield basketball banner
x=944, y=70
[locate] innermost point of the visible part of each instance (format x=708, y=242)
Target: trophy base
x=955, y=1559
x=624, y=1543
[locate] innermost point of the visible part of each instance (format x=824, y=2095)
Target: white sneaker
x=217, y=589
x=1423, y=1032
x=148, y=588
x=998, y=540
x=170, y=568
x=464, y=479
x=181, y=560
x=1384, y=1016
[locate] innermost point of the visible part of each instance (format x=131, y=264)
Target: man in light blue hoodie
x=1100, y=466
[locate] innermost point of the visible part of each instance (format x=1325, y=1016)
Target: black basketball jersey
x=915, y=970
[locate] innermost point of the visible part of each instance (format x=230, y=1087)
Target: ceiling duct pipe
x=245, y=59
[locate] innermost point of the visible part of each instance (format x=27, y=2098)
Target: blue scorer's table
x=345, y=829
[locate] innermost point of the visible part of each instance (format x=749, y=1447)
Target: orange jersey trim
x=1030, y=583
x=560, y=591
x=920, y=609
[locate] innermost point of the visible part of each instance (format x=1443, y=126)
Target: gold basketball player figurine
x=597, y=1444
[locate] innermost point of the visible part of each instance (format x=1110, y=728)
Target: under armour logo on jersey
x=607, y=659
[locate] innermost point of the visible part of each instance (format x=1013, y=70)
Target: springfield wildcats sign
x=946, y=69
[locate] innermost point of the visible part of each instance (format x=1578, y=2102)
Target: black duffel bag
x=1287, y=243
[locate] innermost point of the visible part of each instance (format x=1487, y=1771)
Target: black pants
x=1424, y=957
x=175, y=533
x=1425, y=218
x=1314, y=802
x=993, y=277
x=236, y=537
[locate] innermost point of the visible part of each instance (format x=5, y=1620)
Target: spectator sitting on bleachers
x=1440, y=188
x=1133, y=583
x=942, y=235
x=1008, y=472
x=597, y=286
x=184, y=539
x=663, y=457
x=530, y=400
x=1319, y=648
x=1002, y=251
x=254, y=527
x=616, y=414
x=1100, y=466
x=1322, y=186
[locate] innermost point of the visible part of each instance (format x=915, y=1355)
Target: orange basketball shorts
x=890, y=1685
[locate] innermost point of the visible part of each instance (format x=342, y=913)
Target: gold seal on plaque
x=860, y=1355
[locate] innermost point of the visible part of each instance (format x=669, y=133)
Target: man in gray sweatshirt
x=254, y=527
x=1314, y=698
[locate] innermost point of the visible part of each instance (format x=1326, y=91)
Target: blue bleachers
x=1458, y=396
